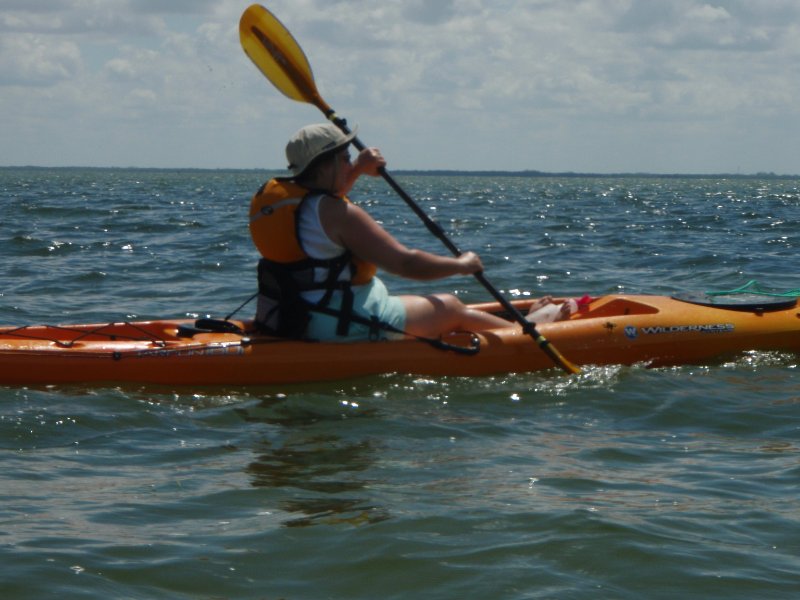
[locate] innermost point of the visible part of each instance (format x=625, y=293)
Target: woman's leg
x=434, y=315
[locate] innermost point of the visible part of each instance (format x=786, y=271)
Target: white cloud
x=121, y=67
x=588, y=85
x=36, y=60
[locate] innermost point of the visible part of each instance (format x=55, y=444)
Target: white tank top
x=316, y=243
x=313, y=238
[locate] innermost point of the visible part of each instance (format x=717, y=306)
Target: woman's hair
x=310, y=172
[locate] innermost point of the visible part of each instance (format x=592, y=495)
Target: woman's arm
x=353, y=228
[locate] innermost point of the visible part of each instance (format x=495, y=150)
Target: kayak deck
x=614, y=329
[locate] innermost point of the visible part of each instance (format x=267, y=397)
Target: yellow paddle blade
x=278, y=55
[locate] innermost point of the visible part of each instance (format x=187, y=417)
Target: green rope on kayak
x=753, y=287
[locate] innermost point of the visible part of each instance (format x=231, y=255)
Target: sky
x=600, y=86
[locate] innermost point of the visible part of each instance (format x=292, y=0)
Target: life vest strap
x=268, y=209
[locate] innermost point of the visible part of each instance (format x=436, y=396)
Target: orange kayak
x=616, y=329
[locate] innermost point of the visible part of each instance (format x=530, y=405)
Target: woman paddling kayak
x=320, y=254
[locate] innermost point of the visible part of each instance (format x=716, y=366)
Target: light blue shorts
x=371, y=299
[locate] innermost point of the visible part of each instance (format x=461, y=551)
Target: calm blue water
x=619, y=483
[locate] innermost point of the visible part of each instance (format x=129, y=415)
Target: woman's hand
x=368, y=162
x=469, y=263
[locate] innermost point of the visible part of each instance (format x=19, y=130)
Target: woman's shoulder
x=330, y=204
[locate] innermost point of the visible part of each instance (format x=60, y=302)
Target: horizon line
x=443, y=172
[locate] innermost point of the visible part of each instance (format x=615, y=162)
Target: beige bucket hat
x=312, y=141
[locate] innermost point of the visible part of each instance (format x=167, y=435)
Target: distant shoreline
x=447, y=173
x=450, y=173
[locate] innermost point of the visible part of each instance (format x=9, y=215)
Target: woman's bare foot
x=544, y=310
x=540, y=303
